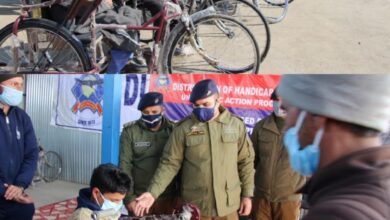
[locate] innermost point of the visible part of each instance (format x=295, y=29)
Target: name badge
x=142, y=144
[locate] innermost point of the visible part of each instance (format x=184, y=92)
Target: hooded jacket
x=88, y=209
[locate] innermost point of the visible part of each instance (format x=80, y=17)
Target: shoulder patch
x=183, y=120
x=171, y=124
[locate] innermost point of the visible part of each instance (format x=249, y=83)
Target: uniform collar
x=224, y=115
x=270, y=124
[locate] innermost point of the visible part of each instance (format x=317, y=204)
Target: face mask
x=151, y=121
x=107, y=204
x=277, y=110
x=303, y=160
x=204, y=114
x=11, y=96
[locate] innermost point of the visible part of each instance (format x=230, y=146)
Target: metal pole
x=111, y=118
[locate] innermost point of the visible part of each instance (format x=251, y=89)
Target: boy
x=103, y=199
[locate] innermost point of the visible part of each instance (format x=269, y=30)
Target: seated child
x=103, y=199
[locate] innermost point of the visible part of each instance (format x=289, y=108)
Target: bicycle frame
x=147, y=25
x=163, y=15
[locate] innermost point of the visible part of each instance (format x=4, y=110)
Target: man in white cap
x=332, y=134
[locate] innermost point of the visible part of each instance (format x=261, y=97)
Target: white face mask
x=11, y=96
x=107, y=204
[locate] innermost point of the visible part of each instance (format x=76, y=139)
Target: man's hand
x=245, y=206
x=12, y=192
x=131, y=206
x=144, y=202
x=24, y=199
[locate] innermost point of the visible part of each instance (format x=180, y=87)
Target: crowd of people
x=320, y=140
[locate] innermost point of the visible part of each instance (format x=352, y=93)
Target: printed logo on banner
x=88, y=91
x=162, y=81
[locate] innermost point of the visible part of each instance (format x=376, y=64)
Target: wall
x=80, y=150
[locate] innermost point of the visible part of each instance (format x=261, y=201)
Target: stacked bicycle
x=218, y=42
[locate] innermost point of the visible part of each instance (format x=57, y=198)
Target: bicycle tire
x=259, y=27
x=51, y=167
x=180, y=31
x=272, y=2
x=53, y=48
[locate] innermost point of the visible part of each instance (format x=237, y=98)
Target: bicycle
x=243, y=11
x=49, y=166
x=47, y=46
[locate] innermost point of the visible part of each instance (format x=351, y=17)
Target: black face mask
x=151, y=121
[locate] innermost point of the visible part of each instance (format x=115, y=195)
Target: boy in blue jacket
x=18, y=151
x=103, y=199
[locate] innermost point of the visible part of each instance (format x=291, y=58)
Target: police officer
x=141, y=147
x=275, y=181
x=215, y=155
x=18, y=151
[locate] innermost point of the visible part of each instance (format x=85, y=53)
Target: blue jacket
x=18, y=149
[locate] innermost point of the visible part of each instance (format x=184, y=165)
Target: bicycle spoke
x=40, y=49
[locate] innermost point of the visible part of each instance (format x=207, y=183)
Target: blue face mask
x=151, y=121
x=107, y=204
x=204, y=114
x=303, y=160
x=11, y=96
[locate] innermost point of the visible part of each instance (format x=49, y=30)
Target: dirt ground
x=332, y=36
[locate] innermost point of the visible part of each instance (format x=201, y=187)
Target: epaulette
x=182, y=120
x=236, y=116
x=128, y=124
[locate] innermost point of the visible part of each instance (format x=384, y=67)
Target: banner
x=79, y=102
x=247, y=96
x=80, y=98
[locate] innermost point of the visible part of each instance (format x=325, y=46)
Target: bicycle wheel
x=41, y=46
x=244, y=12
x=274, y=10
x=218, y=44
x=51, y=166
x=251, y=17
